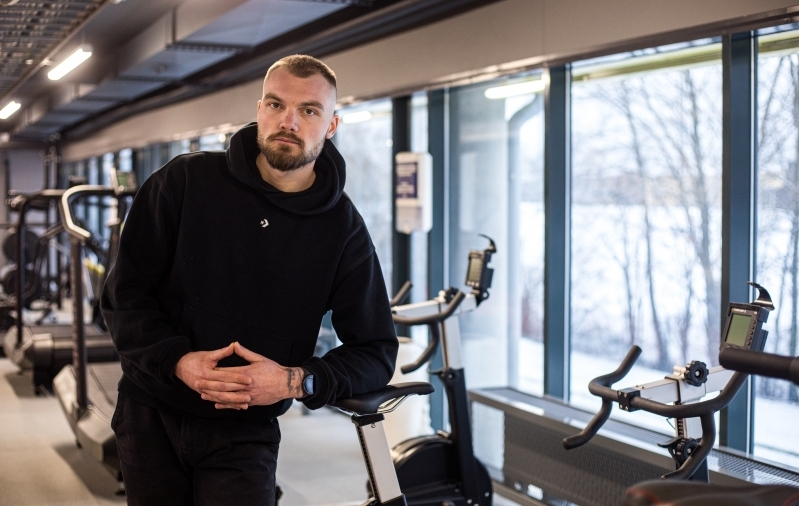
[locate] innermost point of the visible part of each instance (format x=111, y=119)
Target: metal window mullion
x=438, y=243
x=401, y=243
x=557, y=208
x=739, y=64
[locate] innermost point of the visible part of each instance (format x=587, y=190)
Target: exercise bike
x=368, y=412
x=679, y=394
x=441, y=469
x=740, y=351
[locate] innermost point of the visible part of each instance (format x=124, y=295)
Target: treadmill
x=47, y=348
x=87, y=391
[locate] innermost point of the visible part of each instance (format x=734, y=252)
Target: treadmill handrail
x=66, y=211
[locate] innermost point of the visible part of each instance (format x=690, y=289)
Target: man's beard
x=282, y=157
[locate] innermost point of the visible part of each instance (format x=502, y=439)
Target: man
x=227, y=263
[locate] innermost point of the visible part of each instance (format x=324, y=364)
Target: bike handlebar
x=760, y=363
x=600, y=387
x=427, y=354
x=433, y=318
x=433, y=321
x=401, y=295
x=704, y=410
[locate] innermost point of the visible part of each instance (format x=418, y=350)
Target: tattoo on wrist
x=294, y=380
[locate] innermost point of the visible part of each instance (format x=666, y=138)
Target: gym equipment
x=737, y=356
x=441, y=469
x=740, y=351
x=368, y=414
x=47, y=348
x=683, y=390
x=87, y=391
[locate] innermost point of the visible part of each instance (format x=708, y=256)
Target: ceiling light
x=65, y=67
x=10, y=109
x=511, y=90
x=356, y=117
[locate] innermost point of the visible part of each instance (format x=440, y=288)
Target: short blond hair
x=302, y=65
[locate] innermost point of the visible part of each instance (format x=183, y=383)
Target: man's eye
x=274, y=105
x=310, y=112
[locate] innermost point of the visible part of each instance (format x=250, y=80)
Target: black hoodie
x=212, y=254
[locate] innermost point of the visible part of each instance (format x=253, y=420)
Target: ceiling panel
x=123, y=89
x=257, y=21
x=61, y=118
x=86, y=105
x=38, y=131
x=176, y=63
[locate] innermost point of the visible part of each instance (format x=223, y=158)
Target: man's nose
x=289, y=120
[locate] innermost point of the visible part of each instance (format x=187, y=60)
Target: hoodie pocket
x=210, y=331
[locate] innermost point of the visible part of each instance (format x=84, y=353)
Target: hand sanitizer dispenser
x=414, y=192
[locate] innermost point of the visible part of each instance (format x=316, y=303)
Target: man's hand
x=198, y=371
x=271, y=382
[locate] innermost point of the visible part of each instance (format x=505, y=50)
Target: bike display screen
x=738, y=330
x=475, y=271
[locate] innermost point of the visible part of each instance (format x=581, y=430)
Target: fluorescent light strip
x=356, y=117
x=10, y=109
x=65, y=67
x=511, y=90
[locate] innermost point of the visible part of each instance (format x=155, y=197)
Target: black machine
x=741, y=347
x=45, y=348
x=87, y=391
x=441, y=469
x=678, y=395
x=367, y=414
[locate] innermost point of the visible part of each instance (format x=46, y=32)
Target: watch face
x=307, y=384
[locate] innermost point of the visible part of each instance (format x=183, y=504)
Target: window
x=496, y=189
x=646, y=215
x=364, y=140
x=777, y=245
x=213, y=142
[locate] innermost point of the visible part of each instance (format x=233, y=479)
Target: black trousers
x=175, y=459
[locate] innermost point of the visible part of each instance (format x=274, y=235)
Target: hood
x=323, y=194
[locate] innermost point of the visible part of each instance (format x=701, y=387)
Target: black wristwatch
x=307, y=383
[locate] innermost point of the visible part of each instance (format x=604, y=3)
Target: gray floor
x=320, y=461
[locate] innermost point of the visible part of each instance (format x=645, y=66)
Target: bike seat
x=365, y=404
x=681, y=493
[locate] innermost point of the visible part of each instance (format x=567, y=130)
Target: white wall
x=508, y=33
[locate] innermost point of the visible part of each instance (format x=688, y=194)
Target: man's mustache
x=289, y=136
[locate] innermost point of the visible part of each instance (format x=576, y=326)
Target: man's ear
x=331, y=130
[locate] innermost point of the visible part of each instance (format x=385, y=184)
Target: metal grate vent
x=751, y=470
x=29, y=30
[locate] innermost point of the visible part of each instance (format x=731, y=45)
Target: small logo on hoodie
x=264, y=223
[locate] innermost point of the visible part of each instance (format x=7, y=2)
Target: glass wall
x=777, y=245
x=364, y=140
x=496, y=189
x=646, y=215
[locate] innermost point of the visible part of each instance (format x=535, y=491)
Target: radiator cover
x=518, y=438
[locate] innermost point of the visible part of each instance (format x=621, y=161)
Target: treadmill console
x=744, y=325
x=123, y=182
x=478, y=273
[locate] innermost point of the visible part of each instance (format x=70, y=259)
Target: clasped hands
x=260, y=383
